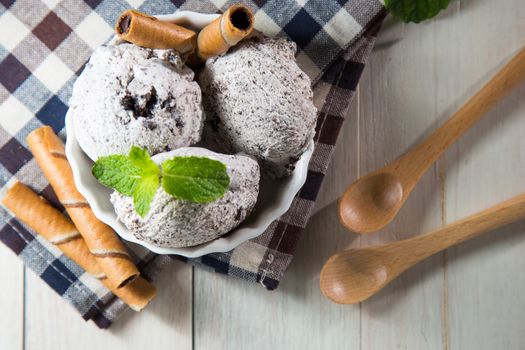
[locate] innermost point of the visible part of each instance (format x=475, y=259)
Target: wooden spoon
x=374, y=200
x=355, y=275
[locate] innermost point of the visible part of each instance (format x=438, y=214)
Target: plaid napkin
x=43, y=48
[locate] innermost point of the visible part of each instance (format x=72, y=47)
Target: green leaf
x=416, y=10
x=140, y=158
x=117, y=172
x=196, y=179
x=144, y=193
x=133, y=175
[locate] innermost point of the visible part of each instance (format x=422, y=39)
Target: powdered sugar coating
x=129, y=95
x=258, y=101
x=174, y=223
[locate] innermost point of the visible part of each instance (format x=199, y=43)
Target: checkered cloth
x=43, y=48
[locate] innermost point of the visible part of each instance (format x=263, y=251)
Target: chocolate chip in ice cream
x=143, y=106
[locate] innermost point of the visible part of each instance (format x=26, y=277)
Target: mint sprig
x=416, y=10
x=195, y=179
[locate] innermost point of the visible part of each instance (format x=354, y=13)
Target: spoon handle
x=414, y=164
x=408, y=252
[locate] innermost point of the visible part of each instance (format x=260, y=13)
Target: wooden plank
x=398, y=109
x=11, y=301
x=166, y=324
x=486, y=167
x=234, y=314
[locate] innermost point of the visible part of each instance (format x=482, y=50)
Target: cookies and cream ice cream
x=259, y=101
x=129, y=95
x=174, y=223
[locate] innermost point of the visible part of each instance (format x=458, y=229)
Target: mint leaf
x=133, y=175
x=117, y=172
x=196, y=179
x=140, y=158
x=144, y=193
x=149, y=180
x=416, y=10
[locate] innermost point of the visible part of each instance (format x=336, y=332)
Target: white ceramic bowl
x=275, y=197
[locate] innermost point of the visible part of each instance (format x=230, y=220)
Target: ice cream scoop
x=128, y=95
x=258, y=101
x=174, y=223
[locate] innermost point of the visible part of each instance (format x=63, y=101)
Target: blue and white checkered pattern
x=43, y=48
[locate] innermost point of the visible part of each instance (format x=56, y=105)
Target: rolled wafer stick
x=136, y=294
x=224, y=32
x=146, y=31
x=53, y=226
x=101, y=240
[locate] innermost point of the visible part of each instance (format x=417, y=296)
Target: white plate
x=275, y=197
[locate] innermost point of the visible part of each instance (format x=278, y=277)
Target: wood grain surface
x=470, y=297
x=11, y=301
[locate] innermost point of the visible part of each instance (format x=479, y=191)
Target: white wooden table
x=471, y=297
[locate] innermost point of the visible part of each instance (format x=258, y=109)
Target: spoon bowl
x=341, y=272
x=371, y=202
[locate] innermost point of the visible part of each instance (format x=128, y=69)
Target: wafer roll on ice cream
x=258, y=101
x=224, y=32
x=102, y=241
x=52, y=225
x=131, y=96
x=147, y=31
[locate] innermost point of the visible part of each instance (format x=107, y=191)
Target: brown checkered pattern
x=44, y=46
